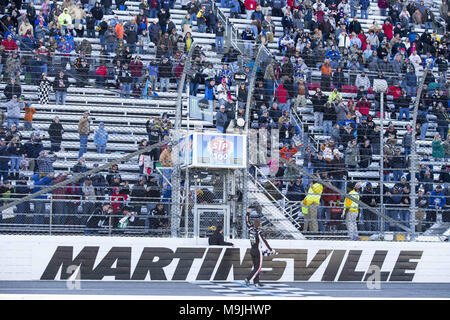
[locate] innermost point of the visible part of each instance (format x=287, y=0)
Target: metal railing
x=280, y=204
x=52, y=215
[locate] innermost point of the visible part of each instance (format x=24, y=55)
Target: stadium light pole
x=413, y=157
x=246, y=131
x=380, y=86
x=175, y=211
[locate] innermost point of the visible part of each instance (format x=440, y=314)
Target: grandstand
x=126, y=118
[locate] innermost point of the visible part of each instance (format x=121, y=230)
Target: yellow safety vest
x=351, y=205
x=313, y=196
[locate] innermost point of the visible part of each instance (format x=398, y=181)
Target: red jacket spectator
x=388, y=30
x=319, y=16
x=363, y=107
x=9, y=44
x=136, y=67
x=178, y=71
x=394, y=91
x=102, y=71
x=293, y=4
x=281, y=94
x=329, y=197
x=363, y=39
x=117, y=200
x=250, y=4
x=383, y=4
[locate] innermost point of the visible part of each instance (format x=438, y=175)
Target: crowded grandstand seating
x=125, y=118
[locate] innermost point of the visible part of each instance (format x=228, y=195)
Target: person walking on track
x=256, y=240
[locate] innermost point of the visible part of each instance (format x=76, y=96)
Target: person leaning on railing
x=310, y=206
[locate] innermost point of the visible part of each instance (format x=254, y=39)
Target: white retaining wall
x=145, y=259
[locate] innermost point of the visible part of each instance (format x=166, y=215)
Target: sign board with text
x=170, y=259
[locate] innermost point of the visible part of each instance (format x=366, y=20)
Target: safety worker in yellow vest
x=351, y=211
x=310, y=206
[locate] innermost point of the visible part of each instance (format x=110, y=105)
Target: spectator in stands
x=4, y=160
x=352, y=156
x=55, y=132
x=329, y=118
x=166, y=157
x=363, y=107
x=446, y=144
x=407, y=140
x=437, y=202
x=131, y=36
x=21, y=190
x=338, y=169
x=60, y=85
x=32, y=150
x=89, y=198
x=422, y=203
x=370, y=197
x=82, y=73
x=221, y=119
x=13, y=109
x=83, y=131
x=9, y=44
x=90, y=25
x=326, y=71
x=12, y=89
x=101, y=138
x=45, y=162
x=201, y=19
x=16, y=150
x=220, y=30
x=318, y=101
x=164, y=74
x=281, y=96
x=158, y=218
x=248, y=37
x=442, y=120
x=41, y=181
x=438, y=152
x=44, y=89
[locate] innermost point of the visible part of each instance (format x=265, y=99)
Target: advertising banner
x=201, y=109
x=185, y=151
x=216, y=150
x=146, y=259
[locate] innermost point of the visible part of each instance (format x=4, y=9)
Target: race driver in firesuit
x=256, y=252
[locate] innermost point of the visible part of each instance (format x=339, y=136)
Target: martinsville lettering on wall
x=219, y=264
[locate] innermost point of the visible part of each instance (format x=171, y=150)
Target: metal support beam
x=246, y=128
x=176, y=173
x=414, y=161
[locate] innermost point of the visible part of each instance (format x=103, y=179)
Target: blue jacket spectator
x=40, y=183
x=411, y=79
x=364, y=4
x=333, y=55
x=235, y=7
x=101, y=138
x=437, y=198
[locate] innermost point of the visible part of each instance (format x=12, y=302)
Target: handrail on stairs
x=284, y=202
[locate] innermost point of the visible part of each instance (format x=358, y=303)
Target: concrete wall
x=138, y=259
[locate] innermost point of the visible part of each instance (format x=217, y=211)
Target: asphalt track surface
x=218, y=290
